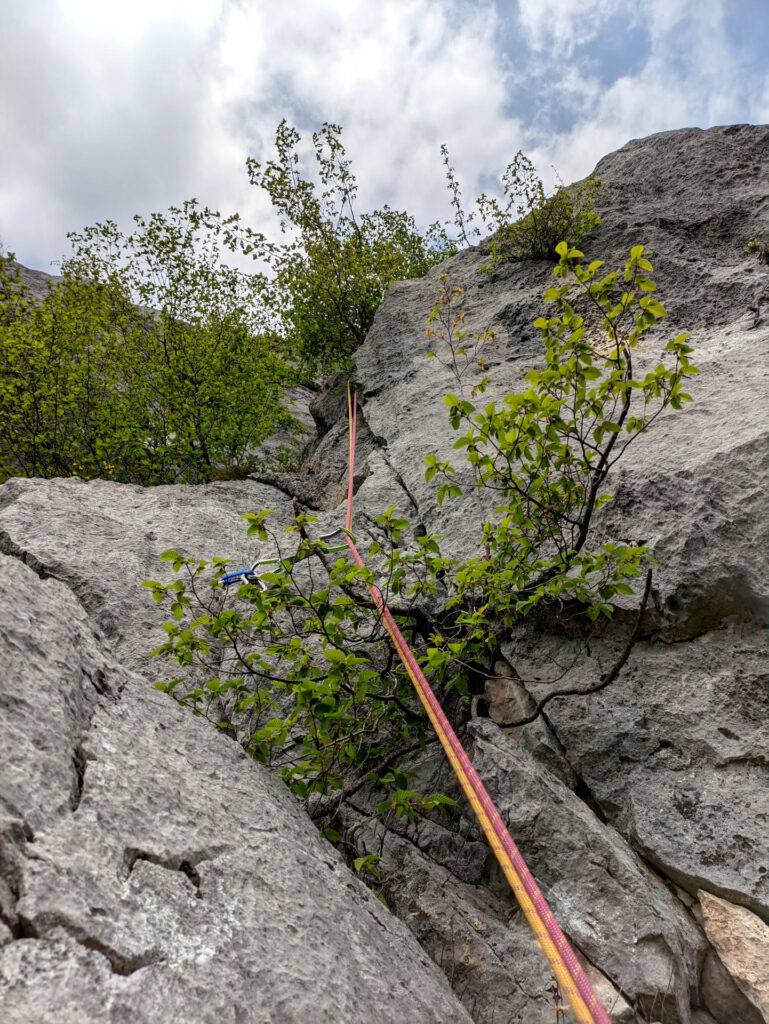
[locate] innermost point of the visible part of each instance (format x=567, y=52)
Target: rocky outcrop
x=153, y=872
x=742, y=942
x=672, y=756
x=626, y=804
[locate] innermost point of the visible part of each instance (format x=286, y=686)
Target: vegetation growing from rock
x=149, y=362
x=153, y=361
x=760, y=250
x=298, y=662
x=542, y=221
x=529, y=224
x=331, y=276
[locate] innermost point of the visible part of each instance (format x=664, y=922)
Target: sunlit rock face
x=151, y=869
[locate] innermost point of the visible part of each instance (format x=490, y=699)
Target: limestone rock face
x=153, y=872
x=103, y=540
x=140, y=870
x=742, y=942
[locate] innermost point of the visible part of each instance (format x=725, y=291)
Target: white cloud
x=115, y=110
x=136, y=119
x=562, y=25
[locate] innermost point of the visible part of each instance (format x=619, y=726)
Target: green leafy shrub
x=150, y=362
x=545, y=454
x=331, y=276
x=301, y=664
x=542, y=221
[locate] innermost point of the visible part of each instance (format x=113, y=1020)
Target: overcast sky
x=113, y=108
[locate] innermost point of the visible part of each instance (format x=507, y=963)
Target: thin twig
x=344, y=794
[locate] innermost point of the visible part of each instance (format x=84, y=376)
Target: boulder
x=153, y=872
x=742, y=942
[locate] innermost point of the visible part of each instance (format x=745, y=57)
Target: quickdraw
x=250, y=575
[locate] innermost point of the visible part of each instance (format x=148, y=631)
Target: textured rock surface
x=626, y=803
x=742, y=942
x=446, y=885
x=157, y=874
x=103, y=539
x=674, y=755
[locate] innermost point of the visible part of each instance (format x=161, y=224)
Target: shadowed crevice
x=185, y=865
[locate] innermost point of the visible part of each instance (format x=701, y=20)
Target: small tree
x=62, y=409
x=331, y=276
x=302, y=653
x=545, y=454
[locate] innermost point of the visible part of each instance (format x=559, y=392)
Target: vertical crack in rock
x=581, y=789
x=399, y=479
x=78, y=764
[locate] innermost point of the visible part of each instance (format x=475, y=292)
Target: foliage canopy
x=154, y=361
x=332, y=274
x=145, y=363
x=298, y=663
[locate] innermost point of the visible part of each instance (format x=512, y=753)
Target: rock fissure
x=79, y=765
x=123, y=964
x=398, y=478
x=187, y=865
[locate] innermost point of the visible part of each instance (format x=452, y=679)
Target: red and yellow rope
x=570, y=976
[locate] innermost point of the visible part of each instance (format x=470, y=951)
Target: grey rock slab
x=443, y=880
x=104, y=539
x=622, y=917
x=674, y=751
x=668, y=476
x=184, y=883
x=481, y=942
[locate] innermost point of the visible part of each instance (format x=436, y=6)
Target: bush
x=543, y=221
x=154, y=362
x=331, y=277
x=300, y=663
x=758, y=249
x=148, y=363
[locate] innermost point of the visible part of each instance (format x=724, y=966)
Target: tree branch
x=606, y=680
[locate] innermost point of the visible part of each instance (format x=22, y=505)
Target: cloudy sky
x=112, y=108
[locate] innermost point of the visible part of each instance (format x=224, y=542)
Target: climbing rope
x=570, y=976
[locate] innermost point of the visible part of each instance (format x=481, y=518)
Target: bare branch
x=606, y=680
